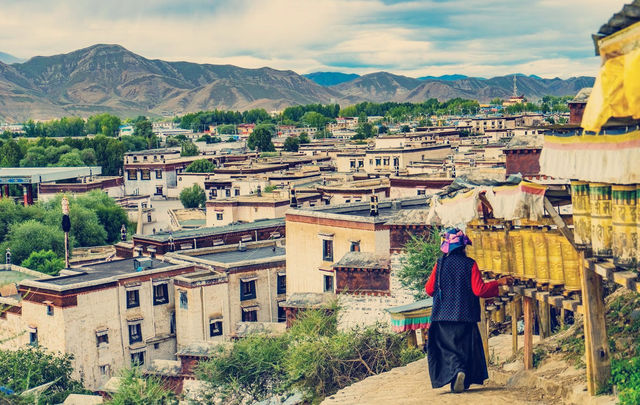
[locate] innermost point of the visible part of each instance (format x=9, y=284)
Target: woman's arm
x=430, y=286
x=479, y=287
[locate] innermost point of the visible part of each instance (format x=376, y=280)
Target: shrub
x=312, y=355
x=136, y=389
x=193, y=197
x=625, y=375
x=200, y=166
x=44, y=261
x=421, y=256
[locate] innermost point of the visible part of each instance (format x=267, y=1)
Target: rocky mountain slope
x=109, y=78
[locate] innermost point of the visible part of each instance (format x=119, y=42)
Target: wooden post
x=412, y=340
x=484, y=330
x=544, y=319
x=595, y=331
x=527, y=304
x=563, y=315
x=515, y=314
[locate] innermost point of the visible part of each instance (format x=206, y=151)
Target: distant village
x=279, y=233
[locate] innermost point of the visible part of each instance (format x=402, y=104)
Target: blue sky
x=478, y=38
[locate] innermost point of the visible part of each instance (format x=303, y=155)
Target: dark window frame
x=281, y=284
x=158, y=174
x=327, y=250
x=184, y=300
x=102, y=338
x=215, y=328
x=145, y=174
x=133, y=303
x=132, y=174
x=247, y=290
x=355, y=246
x=282, y=314
x=250, y=316
x=161, y=299
x=328, y=287
x=137, y=335
x=33, y=338
x=219, y=216
x=137, y=358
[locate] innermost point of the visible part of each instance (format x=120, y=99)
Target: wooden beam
x=595, y=331
x=527, y=309
x=484, y=330
x=544, y=319
x=515, y=314
x=557, y=219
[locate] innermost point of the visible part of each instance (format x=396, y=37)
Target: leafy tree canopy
x=44, y=261
x=260, y=139
x=200, y=166
x=193, y=197
x=189, y=148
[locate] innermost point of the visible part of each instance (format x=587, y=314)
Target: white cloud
x=474, y=37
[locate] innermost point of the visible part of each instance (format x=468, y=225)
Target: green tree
x=110, y=215
x=70, y=159
x=25, y=368
x=105, y=124
x=10, y=154
x=136, y=389
x=405, y=128
x=496, y=101
x=109, y=154
x=44, y=261
x=260, y=140
x=226, y=129
x=189, y=148
x=86, y=228
x=31, y=236
x=193, y=197
x=142, y=127
x=35, y=157
x=291, y=144
x=422, y=253
x=314, y=119
x=200, y=166
x=304, y=138
x=364, y=131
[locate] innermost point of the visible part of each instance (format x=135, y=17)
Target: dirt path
x=410, y=385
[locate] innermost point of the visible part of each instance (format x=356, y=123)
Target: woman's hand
x=505, y=280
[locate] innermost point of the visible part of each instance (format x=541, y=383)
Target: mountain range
x=8, y=59
x=109, y=78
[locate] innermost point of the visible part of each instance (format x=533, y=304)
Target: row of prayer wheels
x=527, y=253
x=607, y=221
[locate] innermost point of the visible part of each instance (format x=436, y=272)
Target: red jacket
x=479, y=287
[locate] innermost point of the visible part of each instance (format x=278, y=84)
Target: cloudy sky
x=432, y=37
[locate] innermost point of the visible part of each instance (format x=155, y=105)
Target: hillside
x=109, y=78
x=8, y=59
x=330, y=78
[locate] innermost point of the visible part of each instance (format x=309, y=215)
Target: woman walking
x=455, y=351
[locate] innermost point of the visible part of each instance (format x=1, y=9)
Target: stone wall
x=363, y=310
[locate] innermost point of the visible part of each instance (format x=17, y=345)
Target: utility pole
x=66, y=227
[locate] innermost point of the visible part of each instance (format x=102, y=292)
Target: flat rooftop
x=35, y=175
x=237, y=256
x=10, y=276
x=102, y=271
x=386, y=208
x=212, y=231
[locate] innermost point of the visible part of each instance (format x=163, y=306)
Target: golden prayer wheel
x=600, y=203
x=471, y=249
x=504, y=252
x=554, y=254
x=541, y=255
x=571, y=265
x=528, y=254
x=516, y=252
x=624, y=237
x=487, y=252
x=496, y=255
x=581, y=213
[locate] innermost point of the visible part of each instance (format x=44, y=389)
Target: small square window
x=145, y=174
x=132, y=175
x=247, y=290
x=156, y=346
x=158, y=174
x=104, y=370
x=249, y=316
x=237, y=191
x=355, y=246
x=137, y=359
x=160, y=294
x=133, y=298
x=282, y=284
x=327, y=250
x=135, y=333
x=215, y=328
x=219, y=216
x=227, y=193
x=328, y=283
x=422, y=192
x=102, y=338
x=50, y=310
x=184, y=302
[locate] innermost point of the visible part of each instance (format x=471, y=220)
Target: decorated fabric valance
x=609, y=157
x=616, y=91
x=418, y=319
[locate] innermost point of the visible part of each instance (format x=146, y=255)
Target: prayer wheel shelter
x=412, y=317
x=28, y=176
